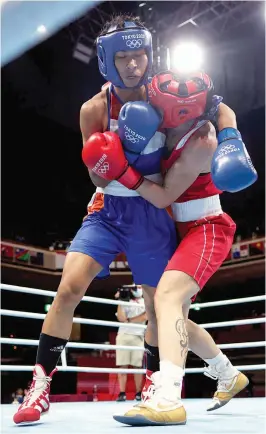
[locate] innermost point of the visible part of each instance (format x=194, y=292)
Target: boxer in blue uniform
x=118, y=220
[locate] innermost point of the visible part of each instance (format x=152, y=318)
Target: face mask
x=19, y=398
x=137, y=293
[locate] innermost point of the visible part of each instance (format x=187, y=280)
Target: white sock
x=172, y=375
x=169, y=371
x=222, y=364
x=215, y=360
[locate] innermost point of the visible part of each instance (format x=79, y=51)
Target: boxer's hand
x=104, y=155
x=232, y=169
x=138, y=121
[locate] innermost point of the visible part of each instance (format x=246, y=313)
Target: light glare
x=41, y=29
x=187, y=57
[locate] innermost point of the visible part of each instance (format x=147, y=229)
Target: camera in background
x=126, y=292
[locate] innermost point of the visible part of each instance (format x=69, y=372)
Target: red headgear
x=180, y=99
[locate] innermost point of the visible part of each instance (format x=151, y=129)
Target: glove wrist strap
x=227, y=134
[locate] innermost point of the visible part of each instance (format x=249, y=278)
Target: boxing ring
x=241, y=415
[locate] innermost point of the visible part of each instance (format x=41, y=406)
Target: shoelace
x=159, y=395
x=221, y=386
x=33, y=388
x=214, y=375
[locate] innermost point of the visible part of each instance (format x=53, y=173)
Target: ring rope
x=65, y=368
x=126, y=303
x=106, y=347
x=32, y=315
x=118, y=371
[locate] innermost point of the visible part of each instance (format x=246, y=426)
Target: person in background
x=130, y=336
x=18, y=396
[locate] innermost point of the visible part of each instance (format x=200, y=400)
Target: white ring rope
x=106, y=347
x=65, y=368
x=53, y=294
x=126, y=303
x=118, y=371
x=32, y=315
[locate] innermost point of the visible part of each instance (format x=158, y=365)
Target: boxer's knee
x=68, y=295
x=175, y=288
x=79, y=271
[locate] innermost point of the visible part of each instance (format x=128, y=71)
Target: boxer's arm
x=91, y=116
x=181, y=175
x=225, y=117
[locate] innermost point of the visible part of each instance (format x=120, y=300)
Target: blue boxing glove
x=138, y=121
x=232, y=169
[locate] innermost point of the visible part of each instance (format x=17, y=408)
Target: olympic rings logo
x=104, y=168
x=131, y=138
x=227, y=149
x=134, y=43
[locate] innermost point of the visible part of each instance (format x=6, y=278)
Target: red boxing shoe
x=37, y=400
x=148, y=388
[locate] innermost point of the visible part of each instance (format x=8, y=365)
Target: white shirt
x=130, y=312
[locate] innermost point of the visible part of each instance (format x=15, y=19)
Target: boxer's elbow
x=163, y=204
x=97, y=181
x=164, y=201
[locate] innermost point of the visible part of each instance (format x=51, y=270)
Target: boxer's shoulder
x=97, y=102
x=95, y=111
x=206, y=130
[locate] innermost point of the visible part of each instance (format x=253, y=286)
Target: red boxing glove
x=103, y=154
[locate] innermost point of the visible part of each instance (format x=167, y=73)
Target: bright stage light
x=187, y=57
x=41, y=29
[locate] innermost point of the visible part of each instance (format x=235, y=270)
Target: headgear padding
x=181, y=98
x=131, y=38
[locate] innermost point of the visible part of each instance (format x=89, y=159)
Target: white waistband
x=197, y=209
x=114, y=188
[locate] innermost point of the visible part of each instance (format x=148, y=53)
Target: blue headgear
x=132, y=37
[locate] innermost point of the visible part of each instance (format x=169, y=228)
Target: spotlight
x=187, y=57
x=141, y=5
x=41, y=29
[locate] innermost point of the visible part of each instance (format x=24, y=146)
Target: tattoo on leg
x=181, y=330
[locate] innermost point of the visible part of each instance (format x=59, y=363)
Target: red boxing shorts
x=205, y=245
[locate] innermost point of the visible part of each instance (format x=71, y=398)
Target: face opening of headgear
x=131, y=37
x=182, y=98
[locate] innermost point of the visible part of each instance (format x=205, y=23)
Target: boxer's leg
x=206, y=246
x=93, y=249
x=151, y=356
x=79, y=271
x=200, y=341
x=154, y=244
x=151, y=333
x=174, y=290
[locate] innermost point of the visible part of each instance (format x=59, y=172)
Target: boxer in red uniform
x=196, y=173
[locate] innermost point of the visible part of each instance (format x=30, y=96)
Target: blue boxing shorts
x=130, y=225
